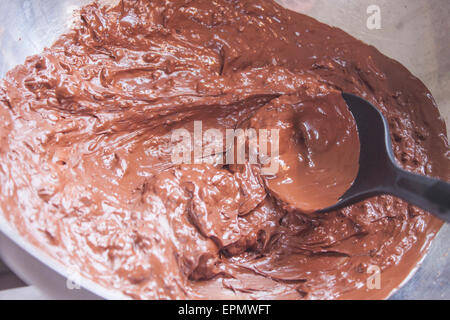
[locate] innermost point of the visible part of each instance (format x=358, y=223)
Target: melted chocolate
x=85, y=170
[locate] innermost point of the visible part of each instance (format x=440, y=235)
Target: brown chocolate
x=85, y=154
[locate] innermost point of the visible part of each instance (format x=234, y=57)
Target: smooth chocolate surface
x=85, y=153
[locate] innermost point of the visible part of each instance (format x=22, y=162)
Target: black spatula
x=378, y=171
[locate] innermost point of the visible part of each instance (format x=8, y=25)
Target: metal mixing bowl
x=414, y=32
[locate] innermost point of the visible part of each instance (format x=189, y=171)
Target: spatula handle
x=427, y=193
